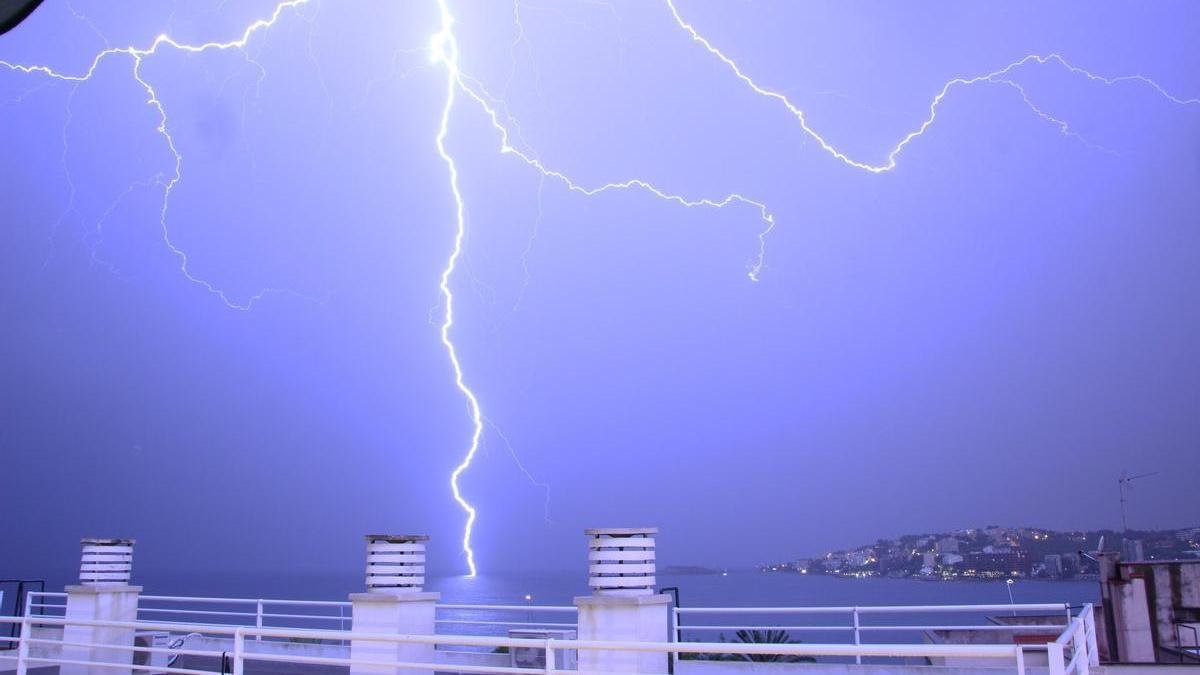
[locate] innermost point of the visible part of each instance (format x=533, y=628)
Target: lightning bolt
x=1063, y=127
x=168, y=185
x=544, y=487
x=995, y=77
x=533, y=234
x=444, y=51
x=447, y=52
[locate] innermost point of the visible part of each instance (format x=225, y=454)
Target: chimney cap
x=95, y=541
x=397, y=538
x=619, y=531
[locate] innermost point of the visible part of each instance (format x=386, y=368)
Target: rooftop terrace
x=627, y=624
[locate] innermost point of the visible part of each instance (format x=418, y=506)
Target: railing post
x=1054, y=653
x=258, y=619
x=239, y=648
x=1089, y=629
x=1079, y=648
x=23, y=645
x=550, y=656
x=857, y=636
x=1020, y=660
x=676, y=635
x=26, y=631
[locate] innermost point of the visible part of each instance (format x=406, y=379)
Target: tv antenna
x=1124, y=484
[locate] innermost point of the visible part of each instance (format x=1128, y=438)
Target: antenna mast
x=1123, y=485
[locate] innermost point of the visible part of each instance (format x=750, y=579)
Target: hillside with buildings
x=995, y=553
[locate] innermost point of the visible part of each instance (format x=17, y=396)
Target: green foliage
x=771, y=636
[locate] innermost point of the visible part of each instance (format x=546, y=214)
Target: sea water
x=736, y=589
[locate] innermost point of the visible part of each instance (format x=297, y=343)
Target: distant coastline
x=994, y=552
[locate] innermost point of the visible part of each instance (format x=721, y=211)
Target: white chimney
x=396, y=563
x=103, y=595
x=621, y=560
x=394, y=604
x=106, y=562
x=622, y=606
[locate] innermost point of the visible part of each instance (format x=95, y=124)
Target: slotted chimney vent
x=106, y=562
x=396, y=563
x=621, y=560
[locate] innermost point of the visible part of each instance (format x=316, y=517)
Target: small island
x=684, y=570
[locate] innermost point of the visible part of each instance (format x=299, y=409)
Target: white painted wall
x=99, y=603
x=637, y=618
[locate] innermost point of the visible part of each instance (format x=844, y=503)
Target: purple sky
x=990, y=332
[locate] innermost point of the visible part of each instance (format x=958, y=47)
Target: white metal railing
x=277, y=613
x=36, y=602
x=257, y=612
x=239, y=654
x=1073, y=652
x=854, y=619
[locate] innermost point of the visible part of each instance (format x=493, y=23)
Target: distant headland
x=683, y=570
x=995, y=552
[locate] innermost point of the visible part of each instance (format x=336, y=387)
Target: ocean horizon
x=737, y=588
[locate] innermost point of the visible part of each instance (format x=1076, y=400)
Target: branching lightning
x=444, y=51
x=527, y=277
x=169, y=182
x=996, y=77
x=475, y=91
x=544, y=487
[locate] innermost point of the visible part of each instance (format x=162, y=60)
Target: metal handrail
x=886, y=629
x=19, y=607
x=798, y=649
x=855, y=612
x=1077, y=635
x=324, y=603
x=878, y=609
x=261, y=603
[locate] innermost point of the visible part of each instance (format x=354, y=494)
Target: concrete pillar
x=103, y=594
x=395, y=604
x=623, y=605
